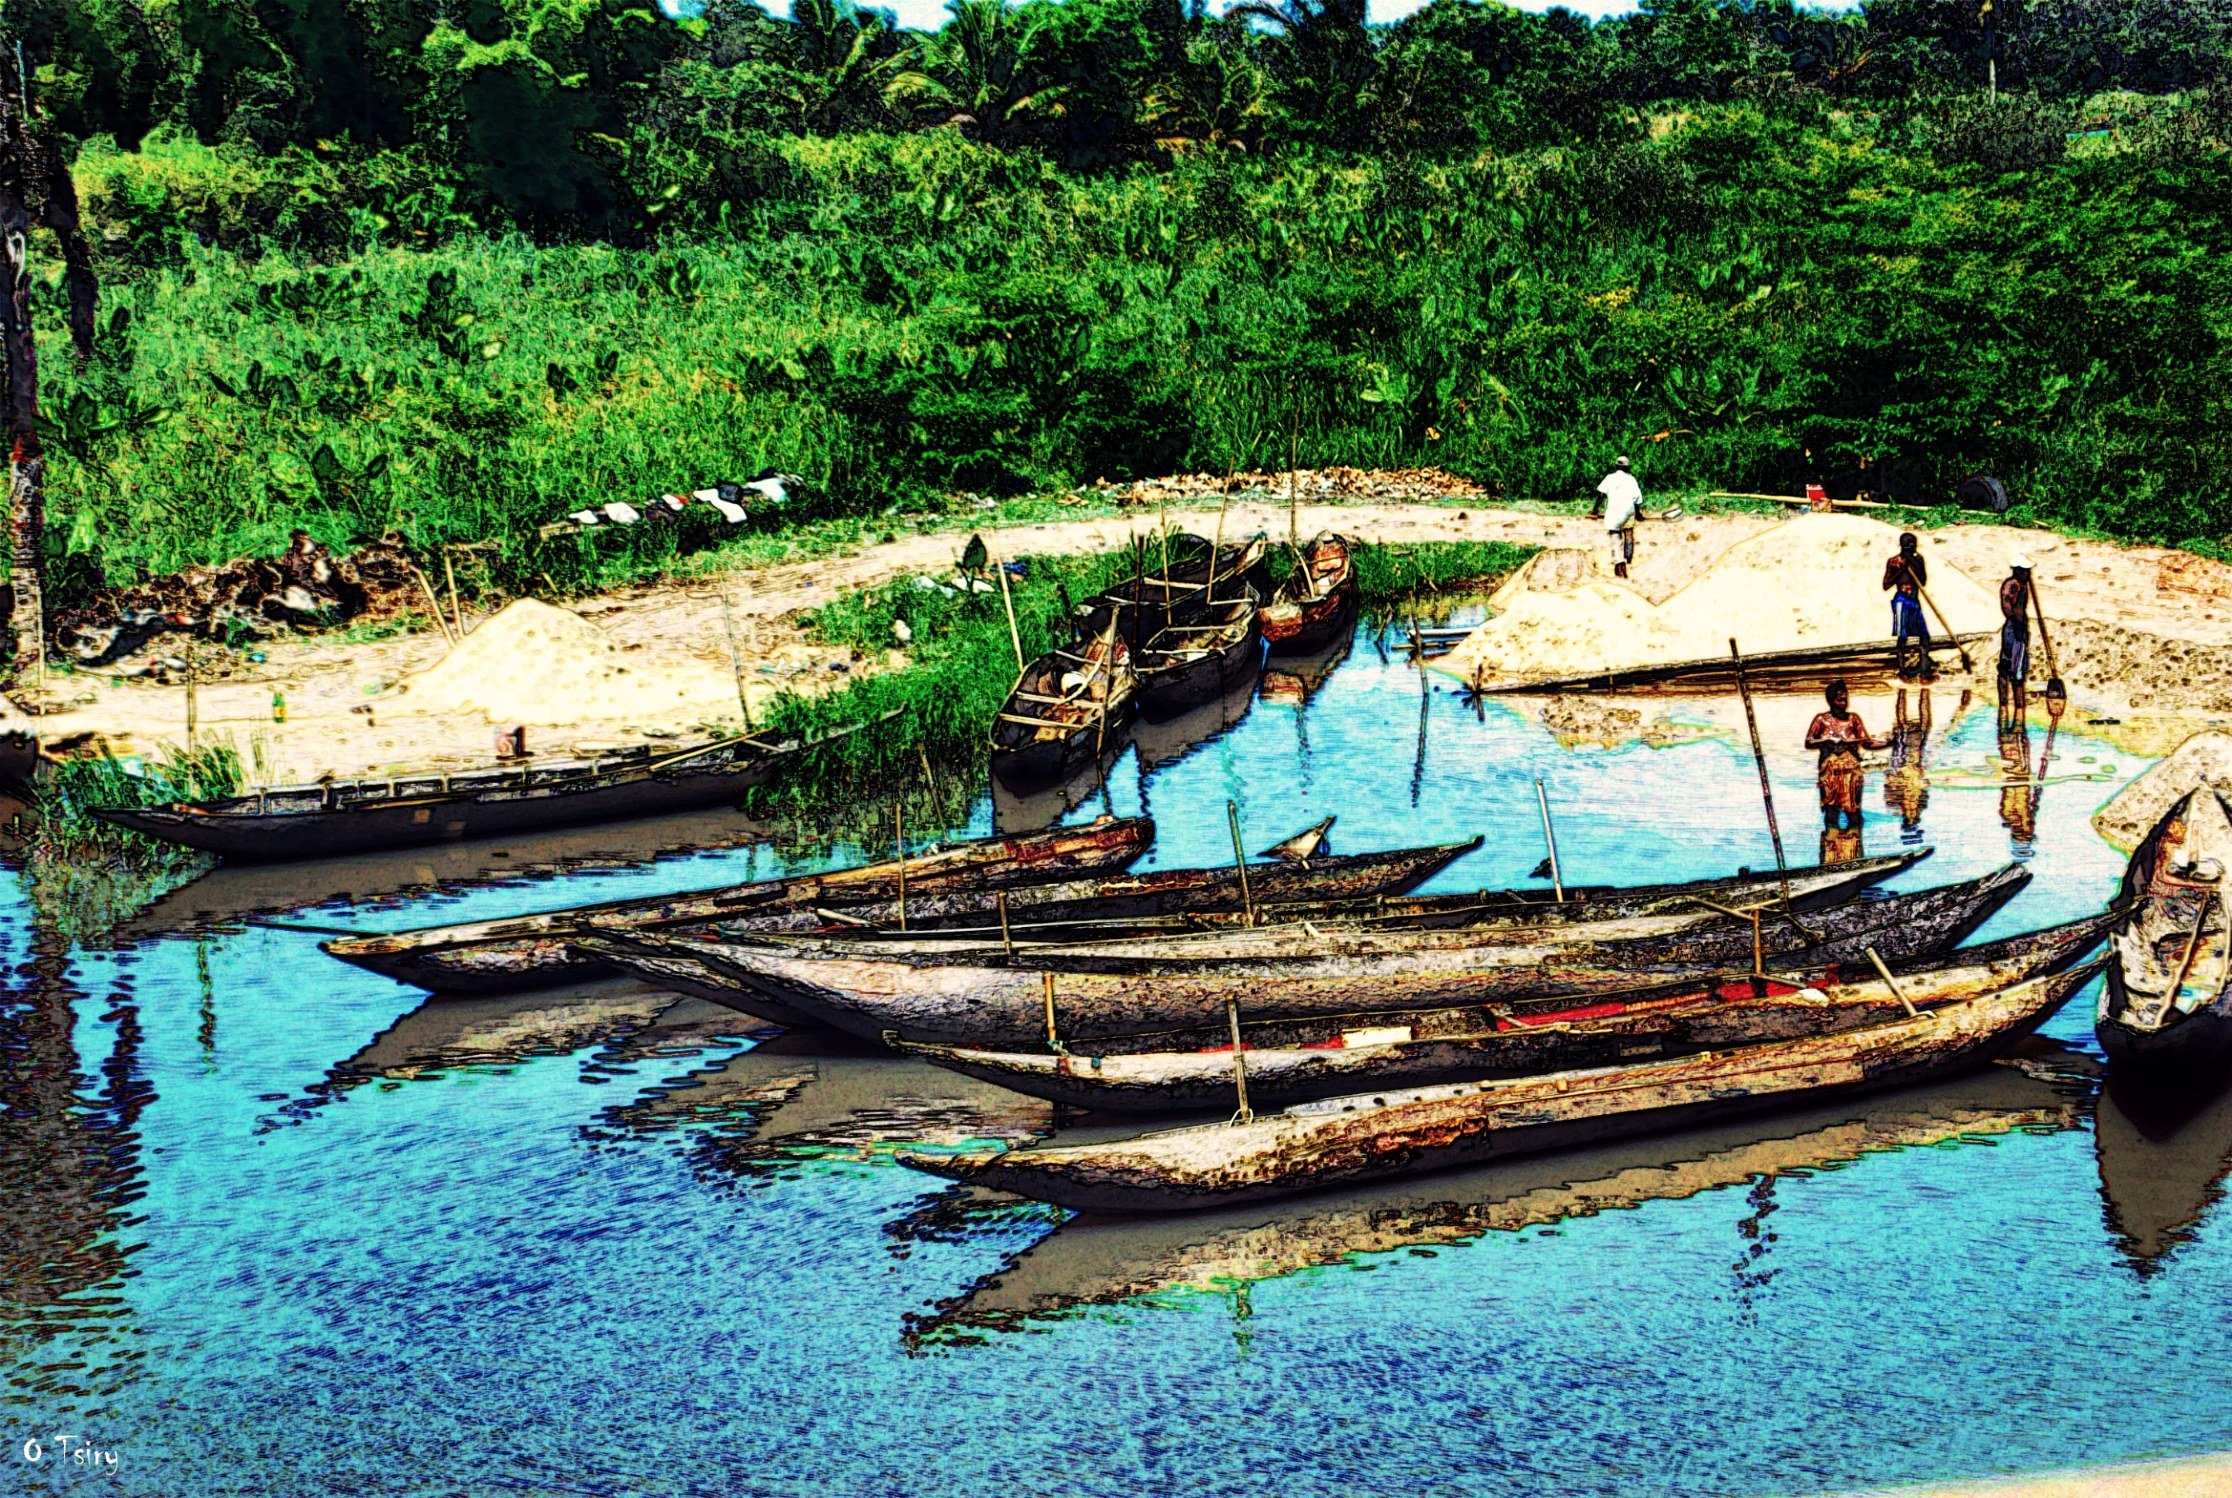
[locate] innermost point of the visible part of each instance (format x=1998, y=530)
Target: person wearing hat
x=1623, y=503
x=2014, y=657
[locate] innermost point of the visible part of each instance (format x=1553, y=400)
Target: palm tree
x=1322, y=54
x=1215, y=97
x=847, y=59
x=985, y=70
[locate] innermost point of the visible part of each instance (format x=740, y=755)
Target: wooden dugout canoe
x=2165, y=1013
x=1318, y=600
x=1089, y=1261
x=1810, y=889
x=517, y=953
x=1045, y=733
x=1005, y=1007
x=1155, y=600
x=1187, y=665
x=318, y=821
x=1806, y=667
x=1691, y=931
x=1290, y=1061
x=1404, y=1132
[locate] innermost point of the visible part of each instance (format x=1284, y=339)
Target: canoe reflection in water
x=812, y=1094
x=1094, y=1261
x=2162, y=1170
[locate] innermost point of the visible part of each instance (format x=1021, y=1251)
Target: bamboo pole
x=1549, y=835
x=1240, y=861
x=1015, y=636
x=1007, y=938
x=1053, y=1036
x=2193, y=949
x=193, y=708
x=1885, y=974
x=736, y=660
x=899, y=833
x=1759, y=757
x=1239, y=1063
x=432, y=602
x=1294, y=457
x=457, y=610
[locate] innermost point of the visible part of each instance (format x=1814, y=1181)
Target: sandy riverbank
x=2185, y=1477
x=2116, y=601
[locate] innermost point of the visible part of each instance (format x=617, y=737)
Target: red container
x=1817, y=496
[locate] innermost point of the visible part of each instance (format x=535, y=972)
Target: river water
x=276, y=1226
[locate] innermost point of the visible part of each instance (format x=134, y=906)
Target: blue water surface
x=277, y=1226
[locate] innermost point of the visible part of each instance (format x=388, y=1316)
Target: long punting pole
x=1885, y=974
x=1015, y=636
x=1759, y=757
x=1239, y=1063
x=899, y=834
x=1549, y=834
x=1240, y=861
x=736, y=660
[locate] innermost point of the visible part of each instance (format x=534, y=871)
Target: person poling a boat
x=2014, y=658
x=1906, y=575
x=1839, y=736
x=1623, y=506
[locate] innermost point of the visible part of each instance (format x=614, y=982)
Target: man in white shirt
x=1623, y=502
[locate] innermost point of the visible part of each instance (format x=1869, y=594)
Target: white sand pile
x=1813, y=580
x=2204, y=759
x=533, y=663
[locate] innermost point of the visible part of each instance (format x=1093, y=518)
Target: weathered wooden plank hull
x=1005, y=1007
x=312, y=822
x=2165, y=1013
x=1808, y=665
x=676, y=973
x=1810, y=890
x=1406, y=1132
x=1291, y=1062
x=1299, y=622
x=523, y=952
x=1690, y=933
x=1168, y=691
x=1024, y=761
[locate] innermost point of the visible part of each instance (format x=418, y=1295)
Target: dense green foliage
x=456, y=269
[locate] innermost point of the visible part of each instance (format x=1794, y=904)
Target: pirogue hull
x=1189, y=665
x=1301, y=618
x=320, y=821
x=1289, y=1062
x=1810, y=889
x=1400, y=1133
x=1044, y=736
x=1154, y=601
x=2165, y=1013
x=1006, y=1007
x=524, y=952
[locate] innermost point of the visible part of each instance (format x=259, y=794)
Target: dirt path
x=328, y=686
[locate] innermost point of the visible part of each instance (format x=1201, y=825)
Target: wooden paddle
x=1966, y=663
x=2057, y=694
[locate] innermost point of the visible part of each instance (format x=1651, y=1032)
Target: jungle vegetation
x=455, y=267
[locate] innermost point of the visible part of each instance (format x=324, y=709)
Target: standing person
x=1623, y=503
x=2014, y=657
x=1839, y=736
x=1906, y=575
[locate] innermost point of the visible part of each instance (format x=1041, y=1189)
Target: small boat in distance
x=286, y=823
x=1188, y=665
x=2165, y=1016
x=1371, y=1137
x=1065, y=711
x=1318, y=600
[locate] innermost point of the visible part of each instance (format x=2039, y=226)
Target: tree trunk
x=26, y=464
